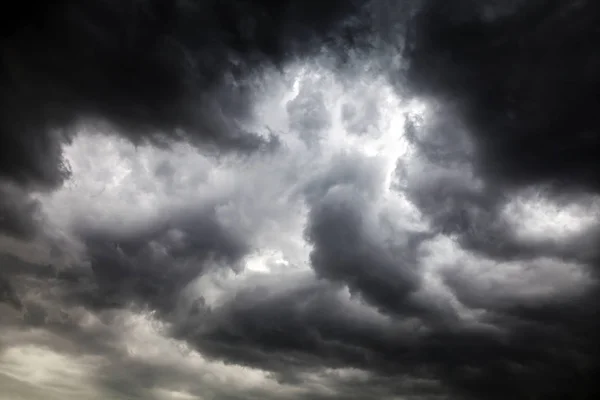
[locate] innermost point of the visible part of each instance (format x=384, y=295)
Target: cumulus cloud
x=299, y=200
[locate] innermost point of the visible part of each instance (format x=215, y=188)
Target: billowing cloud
x=150, y=71
x=299, y=200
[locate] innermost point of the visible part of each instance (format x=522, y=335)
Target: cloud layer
x=299, y=200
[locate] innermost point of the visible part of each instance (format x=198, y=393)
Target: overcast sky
x=345, y=199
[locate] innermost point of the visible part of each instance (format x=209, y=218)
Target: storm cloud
x=300, y=200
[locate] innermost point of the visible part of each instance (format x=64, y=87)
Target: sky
x=355, y=200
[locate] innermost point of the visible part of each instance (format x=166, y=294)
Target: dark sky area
x=358, y=199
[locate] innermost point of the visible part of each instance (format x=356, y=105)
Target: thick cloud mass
x=525, y=82
x=154, y=70
x=300, y=200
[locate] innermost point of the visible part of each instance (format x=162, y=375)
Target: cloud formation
x=299, y=200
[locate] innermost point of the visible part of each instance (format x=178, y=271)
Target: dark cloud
x=350, y=243
x=521, y=83
x=19, y=215
x=307, y=325
x=448, y=182
x=149, y=70
x=525, y=83
x=349, y=247
x=8, y=294
x=461, y=307
x=153, y=266
x=531, y=351
x=145, y=267
x=454, y=197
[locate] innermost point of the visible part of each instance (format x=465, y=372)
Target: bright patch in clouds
x=535, y=217
x=265, y=261
x=119, y=186
x=45, y=368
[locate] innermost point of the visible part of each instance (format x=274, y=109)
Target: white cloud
x=55, y=374
x=535, y=217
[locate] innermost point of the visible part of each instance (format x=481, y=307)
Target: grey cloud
x=8, y=294
x=361, y=118
x=151, y=71
x=295, y=330
x=303, y=325
x=350, y=247
x=309, y=307
x=490, y=315
x=347, y=169
x=442, y=179
x=308, y=113
x=300, y=327
x=349, y=236
x=151, y=68
x=153, y=266
x=19, y=213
